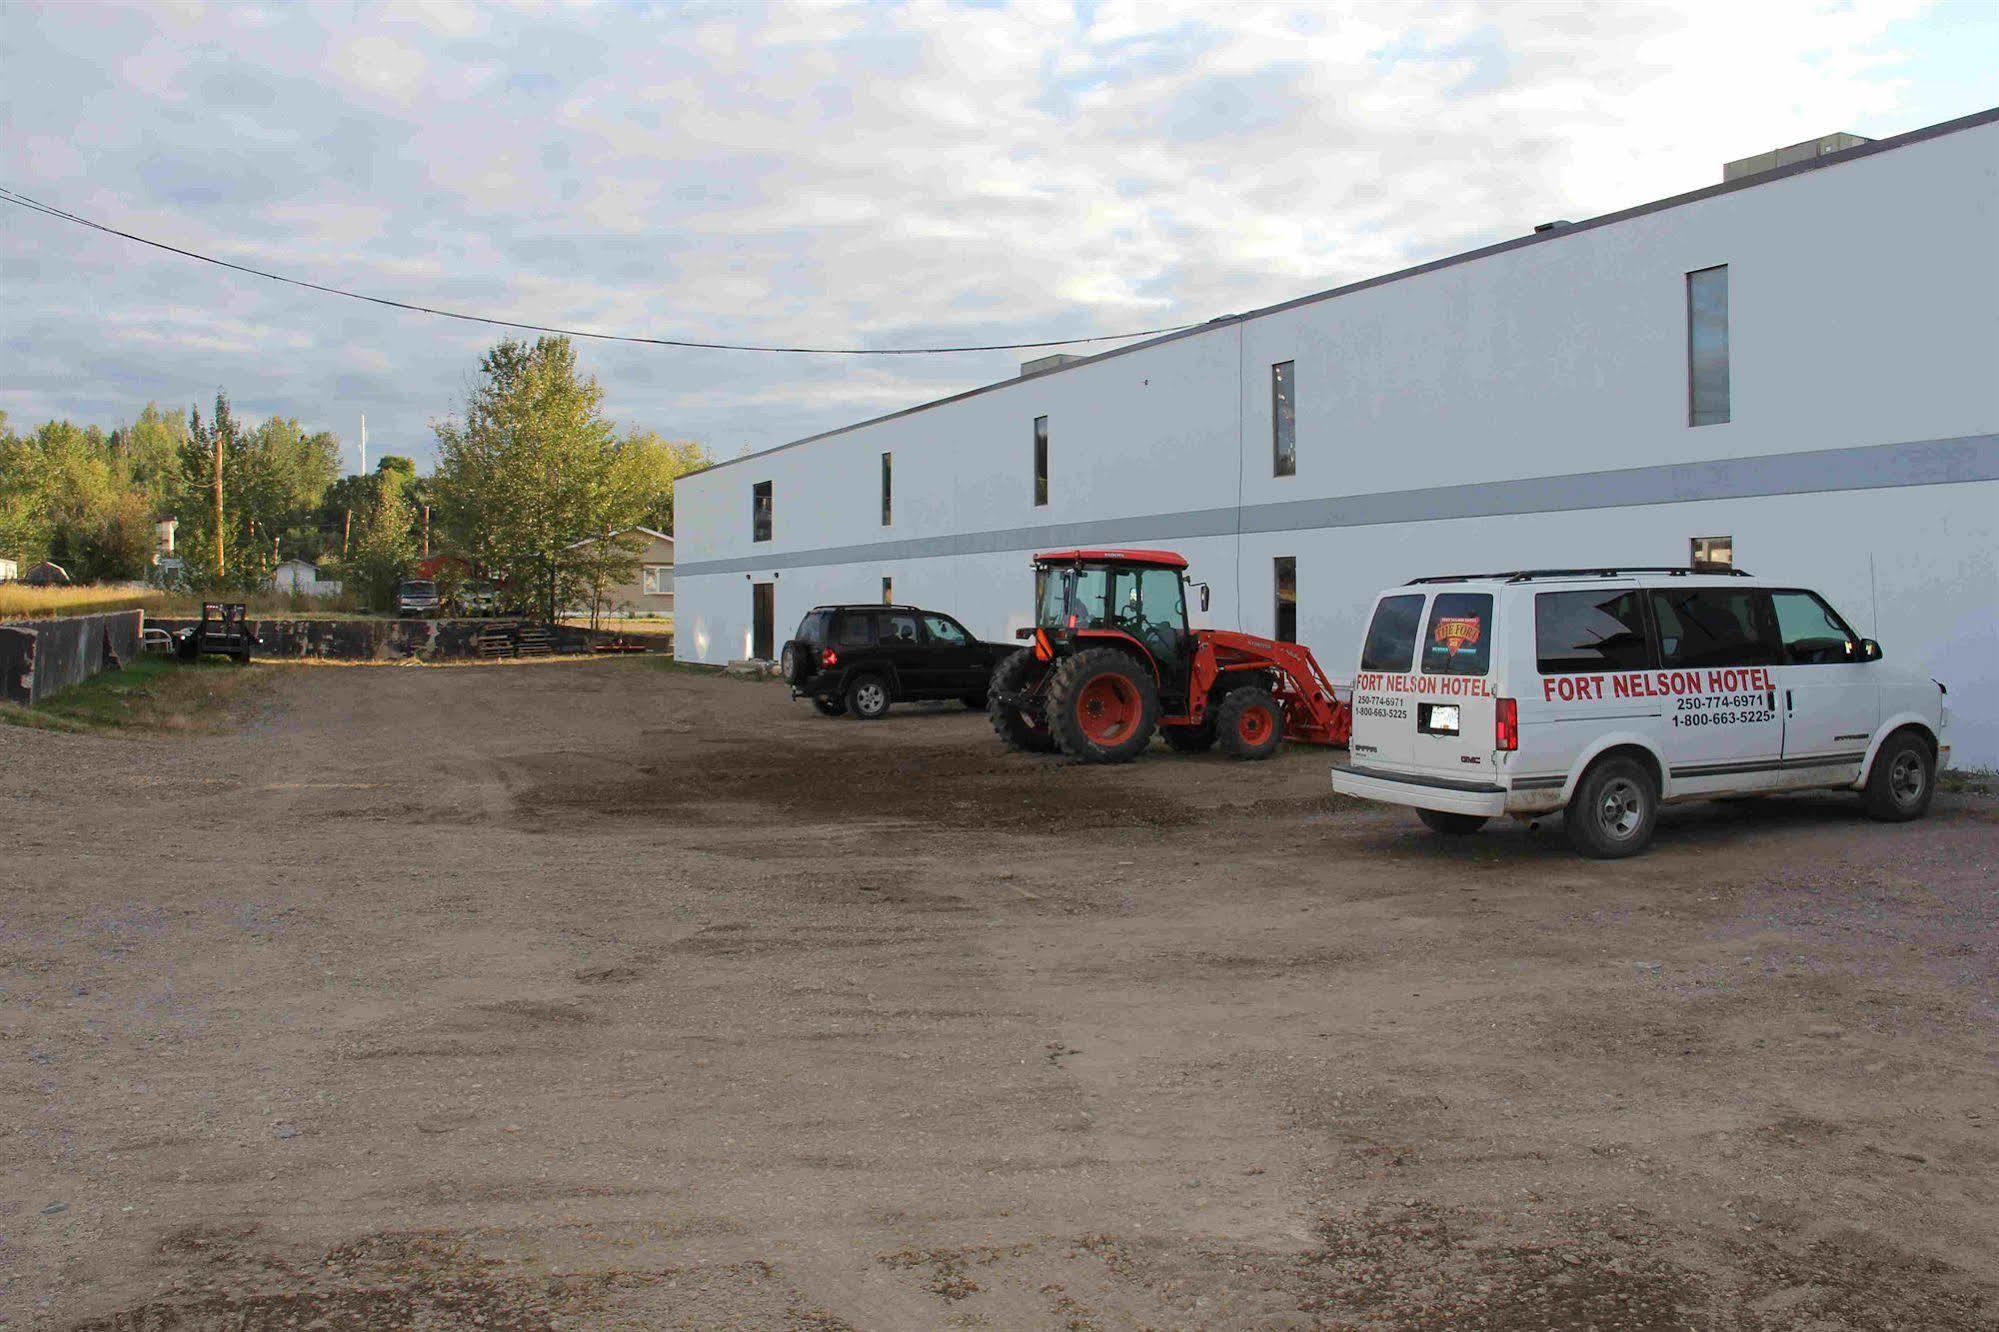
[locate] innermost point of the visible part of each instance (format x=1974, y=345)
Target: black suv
x=859, y=659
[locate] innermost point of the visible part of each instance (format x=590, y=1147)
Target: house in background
x=9, y=570
x=650, y=591
x=301, y=578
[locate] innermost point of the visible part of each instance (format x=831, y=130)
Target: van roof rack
x=1529, y=575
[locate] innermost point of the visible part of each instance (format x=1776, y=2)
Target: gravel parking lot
x=600, y=995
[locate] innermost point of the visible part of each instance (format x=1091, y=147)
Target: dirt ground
x=604, y=996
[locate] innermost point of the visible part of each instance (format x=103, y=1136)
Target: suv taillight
x=1506, y=725
x=829, y=658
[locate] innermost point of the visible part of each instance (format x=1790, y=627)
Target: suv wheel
x=788, y=662
x=868, y=697
x=1613, y=810
x=1902, y=780
x=830, y=707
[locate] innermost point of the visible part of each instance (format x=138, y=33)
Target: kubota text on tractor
x=1112, y=659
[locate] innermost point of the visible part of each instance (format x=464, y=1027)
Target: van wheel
x=1451, y=825
x=830, y=707
x=1613, y=810
x=867, y=697
x=1902, y=781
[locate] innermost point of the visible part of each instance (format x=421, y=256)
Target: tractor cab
x=1135, y=595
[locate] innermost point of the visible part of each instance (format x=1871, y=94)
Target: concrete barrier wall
x=40, y=658
x=399, y=640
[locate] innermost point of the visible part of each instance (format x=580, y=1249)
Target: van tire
x=1449, y=824
x=868, y=697
x=1902, y=780
x=1614, y=809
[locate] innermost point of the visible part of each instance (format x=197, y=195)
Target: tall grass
x=18, y=601
x=267, y=604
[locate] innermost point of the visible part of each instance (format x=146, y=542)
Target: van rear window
x=1590, y=631
x=1459, y=641
x=1391, y=638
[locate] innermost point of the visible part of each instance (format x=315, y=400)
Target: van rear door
x=1452, y=695
x=1384, y=713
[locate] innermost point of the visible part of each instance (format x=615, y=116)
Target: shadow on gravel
x=966, y=790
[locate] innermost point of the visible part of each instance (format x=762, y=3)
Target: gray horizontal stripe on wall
x=1929, y=462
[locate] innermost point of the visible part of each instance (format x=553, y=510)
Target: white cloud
x=381, y=65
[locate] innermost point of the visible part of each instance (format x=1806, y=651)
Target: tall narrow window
x=888, y=587
x=1707, y=346
x=1287, y=599
x=888, y=490
x=760, y=511
x=1040, y=460
x=1283, y=420
x=1712, y=554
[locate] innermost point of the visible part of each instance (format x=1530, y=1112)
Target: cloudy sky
x=855, y=174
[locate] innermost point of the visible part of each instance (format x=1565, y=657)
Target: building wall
x=1527, y=407
x=631, y=598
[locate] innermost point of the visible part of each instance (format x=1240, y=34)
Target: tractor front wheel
x=1016, y=675
x=1249, y=723
x=1102, y=706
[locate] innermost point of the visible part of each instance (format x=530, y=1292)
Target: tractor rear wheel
x=1249, y=723
x=1102, y=706
x=1016, y=675
x=1190, y=739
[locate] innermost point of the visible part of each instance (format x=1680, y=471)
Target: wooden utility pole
x=218, y=502
x=426, y=531
x=346, y=531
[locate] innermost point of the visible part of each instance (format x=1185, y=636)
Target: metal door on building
x=763, y=621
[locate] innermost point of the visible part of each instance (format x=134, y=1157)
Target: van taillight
x=1506, y=725
x=829, y=658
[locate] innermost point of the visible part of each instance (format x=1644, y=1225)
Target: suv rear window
x=1460, y=638
x=857, y=629
x=1590, y=631
x=1391, y=638
x=812, y=629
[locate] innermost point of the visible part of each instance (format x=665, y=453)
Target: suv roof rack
x=1618, y=571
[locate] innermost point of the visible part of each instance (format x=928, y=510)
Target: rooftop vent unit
x=1809, y=150
x=1556, y=225
x=1044, y=363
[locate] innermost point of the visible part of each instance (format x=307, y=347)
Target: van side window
x=1391, y=638
x=1459, y=641
x=1590, y=631
x=857, y=629
x=1716, y=626
x=1813, y=633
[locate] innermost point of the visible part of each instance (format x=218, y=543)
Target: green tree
x=151, y=449
x=659, y=462
x=533, y=467
x=274, y=480
x=382, y=550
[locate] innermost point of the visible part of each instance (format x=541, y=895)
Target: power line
x=20, y=200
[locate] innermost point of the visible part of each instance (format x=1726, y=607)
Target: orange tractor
x=1112, y=659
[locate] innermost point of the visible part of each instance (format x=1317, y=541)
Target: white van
x=1604, y=692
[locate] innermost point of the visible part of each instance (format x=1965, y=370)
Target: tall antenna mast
x=364, y=444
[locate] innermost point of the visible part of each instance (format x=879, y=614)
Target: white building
x=1802, y=363
x=301, y=578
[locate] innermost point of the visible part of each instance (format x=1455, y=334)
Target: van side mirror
x=1870, y=650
